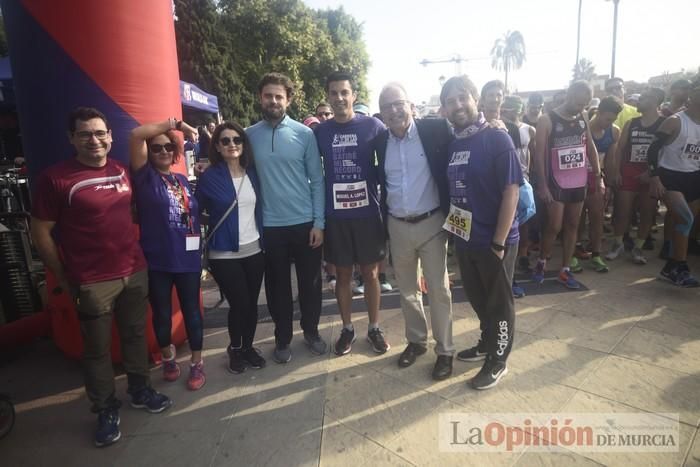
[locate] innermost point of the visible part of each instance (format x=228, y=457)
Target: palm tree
x=508, y=53
x=584, y=69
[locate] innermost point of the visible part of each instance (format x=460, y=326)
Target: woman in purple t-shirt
x=170, y=238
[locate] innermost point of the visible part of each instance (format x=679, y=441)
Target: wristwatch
x=498, y=247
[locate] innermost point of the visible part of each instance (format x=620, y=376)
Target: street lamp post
x=614, y=44
x=578, y=32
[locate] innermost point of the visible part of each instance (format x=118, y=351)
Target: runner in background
x=627, y=170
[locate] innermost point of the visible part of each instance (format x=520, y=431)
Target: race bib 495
x=459, y=222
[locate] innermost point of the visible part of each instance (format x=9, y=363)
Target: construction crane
x=456, y=59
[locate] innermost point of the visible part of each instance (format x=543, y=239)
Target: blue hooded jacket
x=215, y=193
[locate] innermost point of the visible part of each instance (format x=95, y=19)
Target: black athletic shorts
x=688, y=183
x=354, y=241
x=567, y=195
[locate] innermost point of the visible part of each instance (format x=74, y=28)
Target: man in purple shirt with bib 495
x=484, y=176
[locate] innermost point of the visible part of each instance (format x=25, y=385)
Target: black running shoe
x=344, y=343
x=236, y=363
x=107, y=428
x=253, y=358
x=150, y=400
x=475, y=354
x=375, y=336
x=490, y=374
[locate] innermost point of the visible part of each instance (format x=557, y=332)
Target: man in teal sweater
x=291, y=178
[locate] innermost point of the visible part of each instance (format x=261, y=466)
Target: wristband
x=498, y=247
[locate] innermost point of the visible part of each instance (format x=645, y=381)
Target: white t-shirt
x=524, y=149
x=248, y=234
x=683, y=153
x=247, y=230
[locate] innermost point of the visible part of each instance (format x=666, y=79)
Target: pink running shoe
x=197, y=377
x=171, y=370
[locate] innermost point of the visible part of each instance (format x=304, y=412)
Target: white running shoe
x=638, y=257
x=615, y=250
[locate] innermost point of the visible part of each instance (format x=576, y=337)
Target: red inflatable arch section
x=118, y=56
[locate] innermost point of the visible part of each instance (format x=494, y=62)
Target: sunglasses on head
x=225, y=141
x=158, y=148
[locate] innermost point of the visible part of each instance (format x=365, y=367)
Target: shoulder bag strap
x=228, y=211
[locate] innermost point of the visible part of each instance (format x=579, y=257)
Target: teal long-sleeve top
x=290, y=172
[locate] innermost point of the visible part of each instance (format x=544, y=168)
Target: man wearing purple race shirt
x=484, y=176
x=354, y=230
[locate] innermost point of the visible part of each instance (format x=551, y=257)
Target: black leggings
x=240, y=281
x=160, y=289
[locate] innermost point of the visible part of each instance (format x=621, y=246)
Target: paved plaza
x=628, y=343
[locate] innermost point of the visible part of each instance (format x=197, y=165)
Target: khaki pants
x=124, y=300
x=425, y=241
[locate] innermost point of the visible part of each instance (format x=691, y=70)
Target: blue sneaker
x=151, y=400
x=566, y=278
x=538, y=273
x=685, y=279
x=680, y=276
x=518, y=292
x=107, y=428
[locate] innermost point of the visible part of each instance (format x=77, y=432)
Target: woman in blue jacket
x=235, y=249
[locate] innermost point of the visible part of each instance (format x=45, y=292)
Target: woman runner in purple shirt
x=170, y=237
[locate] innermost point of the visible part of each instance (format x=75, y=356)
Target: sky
x=401, y=33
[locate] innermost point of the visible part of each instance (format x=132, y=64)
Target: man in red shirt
x=83, y=228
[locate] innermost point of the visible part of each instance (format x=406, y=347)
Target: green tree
x=508, y=53
x=584, y=70
x=226, y=46
x=205, y=59
x=347, y=48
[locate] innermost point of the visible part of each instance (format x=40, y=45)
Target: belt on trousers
x=418, y=218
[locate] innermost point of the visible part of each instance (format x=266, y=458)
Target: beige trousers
x=425, y=241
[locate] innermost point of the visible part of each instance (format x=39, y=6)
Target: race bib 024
x=571, y=157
